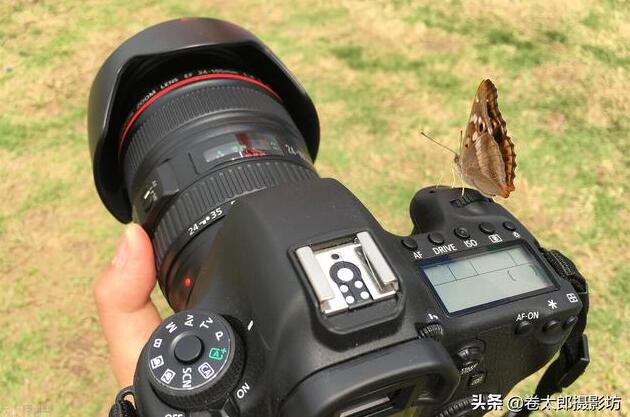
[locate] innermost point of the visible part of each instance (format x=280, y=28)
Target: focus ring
x=218, y=188
x=180, y=107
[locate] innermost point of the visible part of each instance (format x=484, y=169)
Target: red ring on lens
x=182, y=83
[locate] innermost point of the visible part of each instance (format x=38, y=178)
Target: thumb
x=123, y=298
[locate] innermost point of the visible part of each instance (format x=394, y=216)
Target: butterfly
x=486, y=158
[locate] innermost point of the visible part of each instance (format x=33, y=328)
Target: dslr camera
x=290, y=299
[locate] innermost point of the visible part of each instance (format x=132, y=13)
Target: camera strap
x=123, y=407
x=574, y=356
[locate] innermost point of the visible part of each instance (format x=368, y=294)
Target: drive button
x=436, y=238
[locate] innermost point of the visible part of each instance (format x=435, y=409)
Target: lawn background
x=379, y=72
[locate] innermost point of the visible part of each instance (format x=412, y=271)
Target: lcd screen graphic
x=474, y=280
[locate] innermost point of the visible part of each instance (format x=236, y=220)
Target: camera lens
x=194, y=144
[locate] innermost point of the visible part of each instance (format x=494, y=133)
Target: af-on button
x=523, y=327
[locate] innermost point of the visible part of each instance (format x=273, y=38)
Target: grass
x=379, y=73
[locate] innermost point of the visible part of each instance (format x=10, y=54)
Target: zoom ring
x=180, y=108
x=218, y=188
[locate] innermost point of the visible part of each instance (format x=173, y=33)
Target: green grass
x=379, y=73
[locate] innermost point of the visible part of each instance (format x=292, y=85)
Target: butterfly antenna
x=437, y=184
x=461, y=143
x=438, y=143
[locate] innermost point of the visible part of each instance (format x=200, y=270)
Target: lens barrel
x=192, y=146
x=184, y=118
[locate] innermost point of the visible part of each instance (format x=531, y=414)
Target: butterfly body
x=486, y=159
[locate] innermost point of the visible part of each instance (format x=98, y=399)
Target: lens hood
x=163, y=51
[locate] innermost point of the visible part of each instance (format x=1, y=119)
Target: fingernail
x=121, y=250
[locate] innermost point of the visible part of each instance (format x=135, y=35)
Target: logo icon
x=572, y=298
x=206, y=370
x=552, y=304
x=217, y=354
x=157, y=362
x=495, y=238
x=167, y=376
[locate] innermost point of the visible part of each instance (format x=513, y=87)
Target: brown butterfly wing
x=499, y=132
x=483, y=167
x=485, y=119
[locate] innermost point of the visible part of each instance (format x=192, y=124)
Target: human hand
x=123, y=298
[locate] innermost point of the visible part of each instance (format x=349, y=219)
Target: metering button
x=486, y=227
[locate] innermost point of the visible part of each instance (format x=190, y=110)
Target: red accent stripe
x=182, y=83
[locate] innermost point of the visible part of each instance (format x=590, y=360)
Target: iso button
x=461, y=232
x=195, y=360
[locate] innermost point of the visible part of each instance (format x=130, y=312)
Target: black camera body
x=407, y=350
x=291, y=299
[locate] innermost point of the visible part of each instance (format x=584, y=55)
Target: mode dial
x=195, y=360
